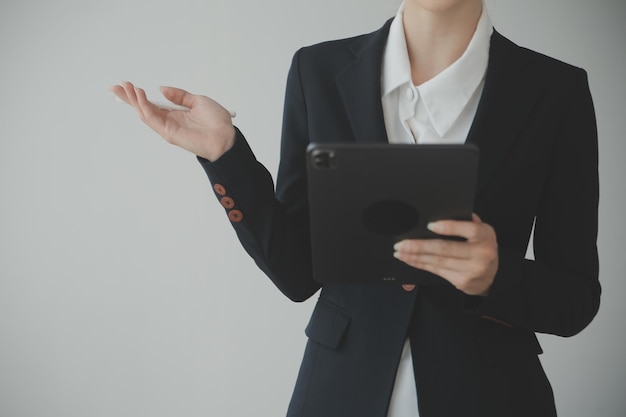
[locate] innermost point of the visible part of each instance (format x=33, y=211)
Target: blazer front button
x=408, y=287
x=227, y=202
x=235, y=216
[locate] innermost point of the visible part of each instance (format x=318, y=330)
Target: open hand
x=205, y=129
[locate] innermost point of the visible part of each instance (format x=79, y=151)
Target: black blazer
x=474, y=356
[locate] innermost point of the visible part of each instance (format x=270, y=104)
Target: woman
x=466, y=346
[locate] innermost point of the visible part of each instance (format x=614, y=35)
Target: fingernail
x=397, y=246
x=396, y=255
x=433, y=226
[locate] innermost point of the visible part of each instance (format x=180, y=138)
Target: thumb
x=178, y=96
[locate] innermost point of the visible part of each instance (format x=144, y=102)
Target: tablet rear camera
x=323, y=159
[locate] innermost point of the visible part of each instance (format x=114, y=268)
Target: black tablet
x=365, y=197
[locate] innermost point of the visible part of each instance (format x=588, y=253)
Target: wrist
x=221, y=140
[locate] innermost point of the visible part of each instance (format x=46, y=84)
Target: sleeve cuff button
x=227, y=202
x=219, y=189
x=235, y=216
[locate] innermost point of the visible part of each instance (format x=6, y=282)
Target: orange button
x=227, y=202
x=235, y=216
x=408, y=287
x=219, y=188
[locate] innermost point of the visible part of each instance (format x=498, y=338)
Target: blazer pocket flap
x=327, y=325
x=500, y=343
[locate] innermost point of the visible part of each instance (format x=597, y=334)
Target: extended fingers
x=439, y=251
x=119, y=93
x=129, y=92
x=148, y=112
x=178, y=96
x=432, y=263
x=473, y=231
x=148, y=109
x=436, y=247
x=434, y=255
x=467, y=229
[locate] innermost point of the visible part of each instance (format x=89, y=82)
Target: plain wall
x=123, y=290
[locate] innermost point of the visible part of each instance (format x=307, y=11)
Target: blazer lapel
x=506, y=102
x=360, y=89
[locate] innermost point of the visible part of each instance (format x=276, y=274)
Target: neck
x=437, y=38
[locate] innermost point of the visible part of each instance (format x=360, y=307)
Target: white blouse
x=440, y=110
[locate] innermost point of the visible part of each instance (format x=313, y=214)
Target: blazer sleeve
x=559, y=291
x=272, y=227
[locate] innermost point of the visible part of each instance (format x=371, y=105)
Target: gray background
x=123, y=291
